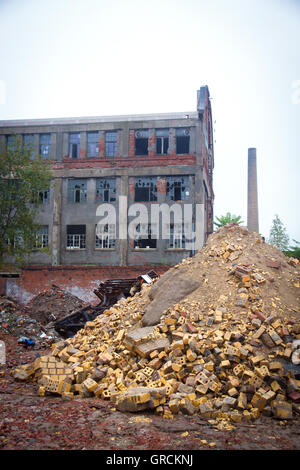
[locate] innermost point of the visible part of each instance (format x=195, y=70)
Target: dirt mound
x=217, y=335
x=53, y=304
x=212, y=267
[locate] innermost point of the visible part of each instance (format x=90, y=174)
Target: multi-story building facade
x=121, y=162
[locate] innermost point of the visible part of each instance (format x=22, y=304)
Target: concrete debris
x=205, y=355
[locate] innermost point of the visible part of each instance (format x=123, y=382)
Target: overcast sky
x=63, y=58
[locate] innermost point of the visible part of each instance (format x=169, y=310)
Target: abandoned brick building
x=119, y=160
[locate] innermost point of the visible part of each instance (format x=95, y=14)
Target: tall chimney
x=252, y=213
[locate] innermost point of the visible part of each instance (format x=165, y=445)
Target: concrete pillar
x=252, y=210
x=123, y=220
x=52, y=155
x=56, y=227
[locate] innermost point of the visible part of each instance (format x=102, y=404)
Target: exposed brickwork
x=101, y=144
x=131, y=143
x=161, y=185
x=157, y=160
x=79, y=280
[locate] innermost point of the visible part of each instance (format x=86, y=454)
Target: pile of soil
x=217, y=335
x=207, y=276
x=53, y=304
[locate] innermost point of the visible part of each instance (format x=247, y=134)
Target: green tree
x=21, y=181
x=228, y=218
x=293, y=251
x=278, y=235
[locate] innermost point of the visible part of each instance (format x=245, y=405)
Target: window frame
x=81, y=238
x=151, y=230
x=90, y=144
x=74, y=143
x=111, y=191
x=183, y=133
x=111, y=143
x=107, y=236
x=45, y=146
x=139, y=136
x=152, y=197
x=81, y=191
x=184, y=187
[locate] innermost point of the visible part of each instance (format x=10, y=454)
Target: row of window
x=145, y=189
x=105, y=237
x=111, y=143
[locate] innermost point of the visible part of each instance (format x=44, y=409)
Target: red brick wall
x=78, y=280
x=125, y=162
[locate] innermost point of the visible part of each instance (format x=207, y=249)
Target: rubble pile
x=228, y=348
x=50, y=305
x=16, y=321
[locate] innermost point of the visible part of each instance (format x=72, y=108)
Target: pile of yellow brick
x=220, y=364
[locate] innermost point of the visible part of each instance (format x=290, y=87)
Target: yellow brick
x=191, y=356
x=90, y=384
x=176, y=367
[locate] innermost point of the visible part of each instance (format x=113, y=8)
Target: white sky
x=63, y=58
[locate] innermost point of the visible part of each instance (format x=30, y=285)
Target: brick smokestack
x=252, y=213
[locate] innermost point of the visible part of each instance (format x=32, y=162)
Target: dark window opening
x=182, y=141
x=76, y=236
x=74, y=145
x=141, y=142
x=147, y=239
x=145, y=189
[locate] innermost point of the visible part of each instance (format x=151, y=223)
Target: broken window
x=76, y=237
x=182, y=141
x=74, y=145
x=42, y=237
x=162, y=141
x=145, y=189
x=105, y=236
x=45, y=145
x=141, y=142
x=92, y=144
x=111, y=143
x=105, y=189
x=43, y=197
x=176, y=238
x=177, y=188
x=28, y=140
x=77, y=190
x=146, y=236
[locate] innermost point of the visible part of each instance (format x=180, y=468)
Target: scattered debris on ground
x=108, y=292
x=16, y=320
x=50, y=305
x=228, y=349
